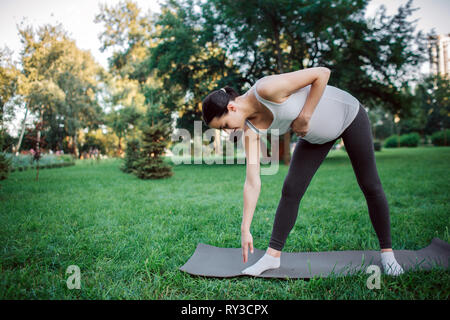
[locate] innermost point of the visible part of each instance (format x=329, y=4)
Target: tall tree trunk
x=119, y=151
x=75, y=147
x=22, y=131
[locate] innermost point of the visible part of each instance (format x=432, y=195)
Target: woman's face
x=231, y=121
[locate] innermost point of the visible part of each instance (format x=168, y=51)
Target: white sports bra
x=333, y=114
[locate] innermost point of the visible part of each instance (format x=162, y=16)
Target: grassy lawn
x=130, y=236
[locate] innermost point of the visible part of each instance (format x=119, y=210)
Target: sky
x=77, y=18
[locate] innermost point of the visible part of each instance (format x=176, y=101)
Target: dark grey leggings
x=305, y=161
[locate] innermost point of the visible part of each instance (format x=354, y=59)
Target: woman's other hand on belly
x=301, y=125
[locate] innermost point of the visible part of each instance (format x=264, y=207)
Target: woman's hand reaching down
x=246, y=243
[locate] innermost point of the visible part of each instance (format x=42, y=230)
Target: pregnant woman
x=319, y=114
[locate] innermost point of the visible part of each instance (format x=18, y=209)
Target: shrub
x=410, y=140
x=391, y=141
x=5, y=166
x=131, y=155
x=5, y=163
x=437, y=138
x=151, y=164
x=24, y=162
x=65, y=158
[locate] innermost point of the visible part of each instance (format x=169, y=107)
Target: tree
x=58, y=81
x=5, y=163
x=8, y=82
x=151, y=164
x=433, y=105
x=132, y=155
x=188, y=64
x=128, y=33
x=122, y=121
x=8, y=85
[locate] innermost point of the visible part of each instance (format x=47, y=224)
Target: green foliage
x=410, y=139
x=381, y=122
x=122, y=122
x=23, y=162
x=392, y=141
x=66, y=158
x=91, y=142
x=438, y=138
x=59, y=81
x=126, y=30
x=151, y=164
x=131, y=155
x=8, y=142
x=405, y=140
x=5, y=166
x=9, y=76
x=431, y=111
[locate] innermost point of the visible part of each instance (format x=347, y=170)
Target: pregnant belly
x=325, y=125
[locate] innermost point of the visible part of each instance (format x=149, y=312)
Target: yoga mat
x=211, y=261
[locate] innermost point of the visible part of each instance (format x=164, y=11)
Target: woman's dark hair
x=215, y=104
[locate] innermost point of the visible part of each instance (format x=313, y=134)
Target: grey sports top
x=333, y=114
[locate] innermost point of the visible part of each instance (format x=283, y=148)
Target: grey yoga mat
x=211, y=261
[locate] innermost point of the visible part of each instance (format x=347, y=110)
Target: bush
x=410, y=140
x=391, y=141
x=5, y=166
x=151, y=164
x=24, y=162
x=437, y=138
x=131, y=155
x=66, y=158
x=5, y=163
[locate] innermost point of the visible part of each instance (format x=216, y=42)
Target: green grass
x=130, y=236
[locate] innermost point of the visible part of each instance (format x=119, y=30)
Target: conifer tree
x=151, y=164
x=4, y=162
x=131, y=155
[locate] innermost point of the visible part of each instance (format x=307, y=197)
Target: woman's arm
x=300, y=125
x=315, y=93
x=279, y=86
x=252, y=185
x=252, y=188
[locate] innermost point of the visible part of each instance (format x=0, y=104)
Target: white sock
x=390, y=265
x=263, y=264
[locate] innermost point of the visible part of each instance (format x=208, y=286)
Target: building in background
x=439, y=54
